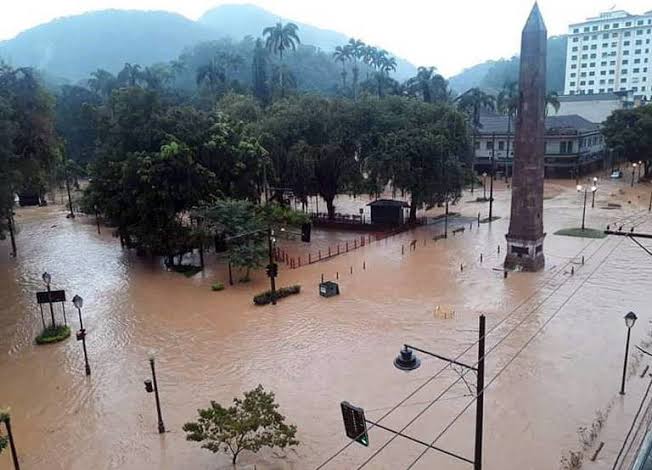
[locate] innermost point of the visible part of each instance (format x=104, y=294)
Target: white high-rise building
x=610, y=53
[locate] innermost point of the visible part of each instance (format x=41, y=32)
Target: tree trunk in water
x=413, y=212
x=331, y=208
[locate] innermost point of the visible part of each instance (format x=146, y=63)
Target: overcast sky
x=449, y=34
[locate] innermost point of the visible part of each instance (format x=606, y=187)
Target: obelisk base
x=526, y=255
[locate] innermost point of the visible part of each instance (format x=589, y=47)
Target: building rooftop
x=388, y=203
x=616, y=96
x=554, y=124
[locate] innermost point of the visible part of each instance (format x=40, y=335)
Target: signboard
x=52, y=296
x=355, y=423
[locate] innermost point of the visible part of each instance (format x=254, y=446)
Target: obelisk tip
x=535, y=20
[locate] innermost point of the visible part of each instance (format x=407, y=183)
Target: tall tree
x=259, y=66
x=280, y=38
x=130, y=75
x=212, y=75
x=628, y=133
x=552, y=99
x=357, y=51
x=342, y=54
x=102, y=82
x=507, y=104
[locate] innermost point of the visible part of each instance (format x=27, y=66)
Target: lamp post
x=634, y=165
x=78, y=302
x=6, y=418
x=65, y=169
x=595, y=185
x=12, y=236
x=630, y=320
x=640, y=167
x=586, y=192
x=152, y=386
x=408, y=361
x=47, y=279
x=484, y=185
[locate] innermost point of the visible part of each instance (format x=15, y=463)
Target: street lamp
x=634, y=165
x=152, y=386
x=408, y=361
x=78, y=302
x=586, y=192
x=630, y=320
x=595, y=185
x=640, y=167
x=484, y=185
x=47, y=279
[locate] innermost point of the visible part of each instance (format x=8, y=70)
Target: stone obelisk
x=525, y=236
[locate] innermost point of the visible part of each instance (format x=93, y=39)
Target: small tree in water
x=250, y=424
x=4, y=416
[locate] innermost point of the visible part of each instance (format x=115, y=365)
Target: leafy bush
x=187, y=270
x=249, y=424
x=53, y=335
x=217, y=287
x=266, y=297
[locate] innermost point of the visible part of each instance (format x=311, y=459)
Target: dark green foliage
x=217, y=287
x=266, y=297
x=629, y=134
x=4, y=441
x=249, y=424
x=53, y=335
x=186, y=269
x=74, y=122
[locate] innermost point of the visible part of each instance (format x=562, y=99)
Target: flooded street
x=554, y=347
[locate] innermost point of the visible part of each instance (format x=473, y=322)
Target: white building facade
x=610, y=53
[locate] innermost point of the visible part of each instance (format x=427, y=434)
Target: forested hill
x=71, y=48
x=492, y=75
x=239, y=21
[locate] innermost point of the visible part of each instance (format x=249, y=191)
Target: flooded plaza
x=555, y=343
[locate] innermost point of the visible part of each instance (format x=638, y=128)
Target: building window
x=603, y=82
x=591, y=74
x=591, y=82
x=605, y=36
x=624, y=53
x=625, y=62
x=611, y=81
x=576, y=39
x=616, y=25
x=603, y=63
x=614, y=35
x=635, y=89
x=566, y=147
x=623, y=80
x=610, y=90
x=585, y=56
x=585, y=48
x=639, y=42
x=572, y=83
x=628, y=24
x=573, y=57
x=501, y=145
x=583, y=74
x=477, y=145
x=595, y=28
x=626, y=43
x=573, y=75
x=637, y=51
x=592, y=64
x=612, y=72
x=627, y=34
x=639, y=22
x=573, y=66
x=594, y=47
x=601, y=90
x=624, y=71
x=603, y=72
x=490, y=145
x=605, y=44
x=576, y=30
x=636, y=71
x=575, y=49
x=613, y=62
x=643, y=88
x=583, y=66
x=637, y=61
x=593, y=56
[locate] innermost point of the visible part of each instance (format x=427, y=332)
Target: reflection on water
x=315, y=352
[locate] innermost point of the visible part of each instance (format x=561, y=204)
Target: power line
x=513, y=358
x=439, y=372
x=467, y=371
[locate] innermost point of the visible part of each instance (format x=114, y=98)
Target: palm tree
x=211, y=74
x=280, y=38
x=552, y=99
x=102, y=82
x=232, y=62
x=421, y=83
x=507, y=104
x=130, y=75
x=356, y=48
x=472, y=102
x=342, y=54
x=368, y=57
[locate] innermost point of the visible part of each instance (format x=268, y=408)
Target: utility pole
x=479, y=403
x=493, y=170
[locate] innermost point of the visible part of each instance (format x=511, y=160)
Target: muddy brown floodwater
x=555, y=346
